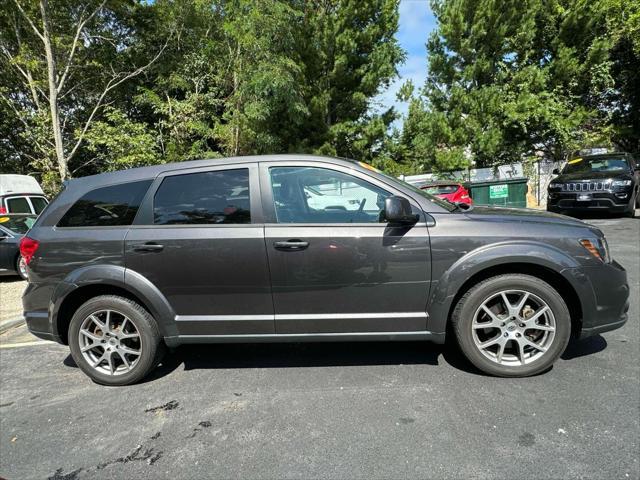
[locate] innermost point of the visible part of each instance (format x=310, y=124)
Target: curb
x=9, y=324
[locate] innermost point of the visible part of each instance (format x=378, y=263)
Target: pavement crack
x=173, y=404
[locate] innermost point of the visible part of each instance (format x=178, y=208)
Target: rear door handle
x=148, y=247
x=291, y=245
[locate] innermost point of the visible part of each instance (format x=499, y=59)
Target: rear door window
x=18, y=205
x=106, y=207
x=214, y=197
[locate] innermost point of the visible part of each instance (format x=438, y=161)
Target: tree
x=350, y=54
x=70, y=57
x=511, y=79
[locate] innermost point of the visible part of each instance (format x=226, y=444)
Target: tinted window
x=320, y=195
x=219, y=197
x=18, y=205
x=38, y=204
x=108, y=206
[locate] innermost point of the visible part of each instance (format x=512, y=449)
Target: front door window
x=320, y=195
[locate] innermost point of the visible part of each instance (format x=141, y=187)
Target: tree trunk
x=63, y=168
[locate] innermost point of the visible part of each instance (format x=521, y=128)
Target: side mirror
x=397, y=211
x=556, y=171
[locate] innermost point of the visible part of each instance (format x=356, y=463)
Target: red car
x=452, y=191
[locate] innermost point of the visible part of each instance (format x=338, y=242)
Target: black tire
x=473, y=299
x=20, y=271
x=152, y=346
x=631, y=213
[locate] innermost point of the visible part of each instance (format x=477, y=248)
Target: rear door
x=336, y=266
x=200, y=241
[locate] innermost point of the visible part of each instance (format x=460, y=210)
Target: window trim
x=269, y=207
x=144, y=219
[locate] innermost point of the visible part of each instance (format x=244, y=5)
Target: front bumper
x=604, y=296
x=611, y=201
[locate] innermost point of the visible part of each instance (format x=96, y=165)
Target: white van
x=21, y=194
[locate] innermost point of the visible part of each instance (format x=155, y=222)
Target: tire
x=631, y=213
x=115, y=345
x=21, y=268
x=509, y=335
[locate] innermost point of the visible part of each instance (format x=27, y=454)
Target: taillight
x=2, y=210
x=28, y=247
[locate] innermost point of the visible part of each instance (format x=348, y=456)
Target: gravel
x=11, y=289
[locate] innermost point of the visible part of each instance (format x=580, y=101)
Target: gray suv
x=305, y=248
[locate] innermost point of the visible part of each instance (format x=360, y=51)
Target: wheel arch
x=550, y=276
x=90, y=282
x=530, y=258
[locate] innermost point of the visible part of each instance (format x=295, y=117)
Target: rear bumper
x=35, y=302
x=39, y=325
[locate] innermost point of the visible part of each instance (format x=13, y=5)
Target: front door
x=336, y=267
x=201, y=243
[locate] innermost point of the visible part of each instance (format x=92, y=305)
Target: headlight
x=621, y=183
x=555, y=185
x=598, y=247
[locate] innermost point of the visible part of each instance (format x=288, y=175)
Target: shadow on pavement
x=587, y=346
x=300, y=355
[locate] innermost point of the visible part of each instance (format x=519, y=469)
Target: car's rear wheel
x=512, y=325
x=114, y=340
x=21, y=267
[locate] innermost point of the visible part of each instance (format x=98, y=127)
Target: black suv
x=606, y=182
x=303, y=248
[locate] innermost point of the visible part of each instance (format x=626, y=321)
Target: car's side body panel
x=359, y=281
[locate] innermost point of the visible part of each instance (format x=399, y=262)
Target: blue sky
x=416, y=23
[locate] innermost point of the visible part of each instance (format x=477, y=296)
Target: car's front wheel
x=114, y=340
x=512, y=325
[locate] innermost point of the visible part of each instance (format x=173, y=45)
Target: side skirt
x=308, y=337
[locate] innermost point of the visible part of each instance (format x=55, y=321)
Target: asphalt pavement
x=352, y=410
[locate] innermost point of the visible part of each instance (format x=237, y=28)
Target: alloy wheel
x=110, y=342
x=513, y=328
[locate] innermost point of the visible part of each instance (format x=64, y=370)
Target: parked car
x=123, y=264
x=21, y=194
x=452, y=191
x=12, y=229
x=607, y=182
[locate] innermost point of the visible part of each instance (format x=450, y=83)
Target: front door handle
x=291, y=245
x=148, y=247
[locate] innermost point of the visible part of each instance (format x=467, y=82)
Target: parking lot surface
x=347, y=410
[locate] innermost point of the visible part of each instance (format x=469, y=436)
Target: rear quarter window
x=115, y=205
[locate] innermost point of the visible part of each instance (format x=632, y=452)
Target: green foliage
x=117, y=143
x=513, y=79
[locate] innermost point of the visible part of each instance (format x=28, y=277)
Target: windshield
x=595, y=164
x=450, y=207
x=440, y=189
x=19, y=224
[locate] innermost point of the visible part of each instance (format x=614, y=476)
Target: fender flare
x=120, y=277
x=445, y=289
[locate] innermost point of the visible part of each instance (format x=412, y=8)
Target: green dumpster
x=510, y=192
